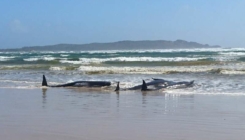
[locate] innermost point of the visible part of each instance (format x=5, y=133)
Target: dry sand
x=74, y=114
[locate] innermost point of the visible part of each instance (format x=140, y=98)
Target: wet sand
x=74, y=114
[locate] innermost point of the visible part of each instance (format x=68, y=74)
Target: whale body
x=172, y=84
x=78, y=83
x=159, y=84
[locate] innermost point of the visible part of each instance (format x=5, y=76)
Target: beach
x=211, y=108
x=74, y=113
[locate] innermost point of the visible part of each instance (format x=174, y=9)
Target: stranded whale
x=158, y=84
x=78, y=83
x=172, y=84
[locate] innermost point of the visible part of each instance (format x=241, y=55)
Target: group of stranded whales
x=156, y=83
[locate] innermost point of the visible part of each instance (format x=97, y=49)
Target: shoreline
x=60, y=113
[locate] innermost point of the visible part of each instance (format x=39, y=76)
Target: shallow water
x=205, y=83
x=215, y=70
x=61, y=113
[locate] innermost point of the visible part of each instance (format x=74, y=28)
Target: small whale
x=142, y=87
x=158, y=84
x=78, y=83
x=171, y=84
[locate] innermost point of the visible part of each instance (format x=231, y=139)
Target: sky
x=48, y=22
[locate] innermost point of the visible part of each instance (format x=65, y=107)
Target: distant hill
x=120, y=45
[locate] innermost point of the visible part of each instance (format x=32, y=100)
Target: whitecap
x=6, y=58
x=31, y=59
x=48, y=58
x=72, y=62
x=138, y=59
x=64, y=55
x=57, y=68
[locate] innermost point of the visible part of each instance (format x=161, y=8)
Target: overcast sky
x=47, y=22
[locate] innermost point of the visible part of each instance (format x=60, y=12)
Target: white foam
x=230, y=71
x=64, y=55
x=168, y=50
x=72, y=62
x=225, y=58
x=131, y=59
x=237, y=68
x=57, y=68
x=6, y=58
x=31, y=59
x=48, y=58
x=233, y=53
x=142, y=70
x=45, y=58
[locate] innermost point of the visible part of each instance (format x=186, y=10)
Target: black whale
x=78, y=83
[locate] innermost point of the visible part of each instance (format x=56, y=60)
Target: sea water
x=215, y=70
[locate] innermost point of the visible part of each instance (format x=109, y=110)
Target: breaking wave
x=159, y=70
x=131, y=59
x=45, y=58
x=227, y=69
x=6, y=58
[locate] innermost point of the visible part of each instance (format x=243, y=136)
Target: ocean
x=215, y=70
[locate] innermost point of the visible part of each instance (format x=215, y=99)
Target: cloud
x=17, y=27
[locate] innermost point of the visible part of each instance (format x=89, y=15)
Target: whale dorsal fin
x=144, y=86
x=118, y=87
x=44, y=83
x=191, y=83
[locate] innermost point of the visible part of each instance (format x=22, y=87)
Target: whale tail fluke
x=144, y=86
x=44, y=83
x=118, y=87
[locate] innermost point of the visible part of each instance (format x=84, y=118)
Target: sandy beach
x=75, y=114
